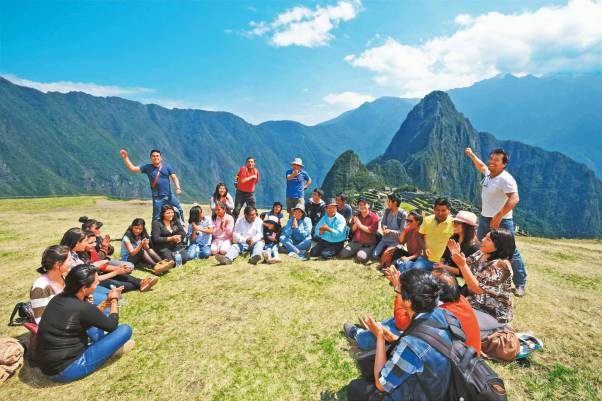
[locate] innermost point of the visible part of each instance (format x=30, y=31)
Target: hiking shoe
x=350, y=330
x=254, y=259
x=125, y=348
x=519, y=291
x=223, y=260
x=163, y=266
x=266, y=256
x=148, y=283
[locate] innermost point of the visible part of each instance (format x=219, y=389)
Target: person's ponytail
x=52, y=255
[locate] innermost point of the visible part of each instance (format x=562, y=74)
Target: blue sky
x=306, y=61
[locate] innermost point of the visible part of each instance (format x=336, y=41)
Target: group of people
x=75, y=299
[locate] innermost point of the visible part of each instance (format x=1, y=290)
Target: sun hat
x=272, y=219
x=298, y=162
x=466, y=217
x=300, y=206
x=332, y=202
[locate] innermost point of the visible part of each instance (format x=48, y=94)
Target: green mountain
x=559, y=197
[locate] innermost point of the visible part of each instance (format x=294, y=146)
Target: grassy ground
x=273, y=332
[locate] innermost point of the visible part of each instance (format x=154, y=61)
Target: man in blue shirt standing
x=297, y=181
x=158, y=174
x=331, y=233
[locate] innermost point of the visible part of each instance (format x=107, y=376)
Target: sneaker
x=350, y=331
x=254, y=259
x=292, y=254
x=274, y=260
x=519, y=291
x=223, y=260
x=266, y=256
x=125, y=348
x=163, y=266
x=148, y=283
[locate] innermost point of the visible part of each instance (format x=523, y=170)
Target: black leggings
x=129, y=283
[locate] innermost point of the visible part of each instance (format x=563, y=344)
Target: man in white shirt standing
x=248, y=237
x=499, y=195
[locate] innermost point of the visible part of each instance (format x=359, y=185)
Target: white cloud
x=86, y=87
x=347, y=100
x=302, y=26
x=566, y=39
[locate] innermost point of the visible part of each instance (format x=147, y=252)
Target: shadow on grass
x=340, y=395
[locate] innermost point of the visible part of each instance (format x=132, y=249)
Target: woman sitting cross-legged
x=115, y=273
x=167, y=234
x=296, y=234
x=135, y=248
x=488, y=277
x=200, y=229
x=56, y=262
x=465, y=233
x=64, y=352
x=223, y=227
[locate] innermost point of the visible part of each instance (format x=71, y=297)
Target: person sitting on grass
x=414, y=368
x=248, y=237
x=200, y=229
x=364, y=225
x=296, y=234
x=488, y=277
x=223, y=226
x=315, y=206
x=75, y=240
x=64, y=352
x=343, y=208
x=167, y=234
x=276, y=211
x=331, y=233
x=135, y=248
x=271, y=238
x=56, y=262
x=409, y=238
x=104, y=249
x=115, y=273
x=391, y=225
x=465, y=233
x=221, y=195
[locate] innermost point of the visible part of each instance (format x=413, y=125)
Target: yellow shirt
x=436, y=235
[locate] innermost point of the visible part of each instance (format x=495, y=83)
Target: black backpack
x=471, y=378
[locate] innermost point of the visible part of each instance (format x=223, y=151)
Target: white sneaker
x=266, y=256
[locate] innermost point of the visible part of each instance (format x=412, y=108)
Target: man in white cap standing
x=297, y=181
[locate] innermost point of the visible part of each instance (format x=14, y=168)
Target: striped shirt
x=42, y=291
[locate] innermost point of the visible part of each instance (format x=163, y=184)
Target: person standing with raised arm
x=246, y=179
x=499, y=196
x=158, y=174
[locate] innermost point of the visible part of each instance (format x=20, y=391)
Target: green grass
x=272, y=332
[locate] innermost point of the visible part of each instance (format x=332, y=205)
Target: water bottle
x=178, y=258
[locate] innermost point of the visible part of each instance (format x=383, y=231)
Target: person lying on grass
x=488, y=277
x=396, y=378
x=116, y=273
x=67, y=350
x=135, y=248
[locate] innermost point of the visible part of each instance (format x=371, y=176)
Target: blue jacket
x=413, y=357
x=337, y=224
x=301, y=233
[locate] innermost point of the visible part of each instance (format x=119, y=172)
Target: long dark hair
x=470, y=236
x=195, y=214
x=72, y=237
x=504, y=244
x=82, y=275
x=136, y=222
x=216, y=195
x=52, y=255
x=165, y=208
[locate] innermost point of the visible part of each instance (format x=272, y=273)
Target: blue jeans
x=381, y=246
x=237, y=249
x=365, y=339
x=519, y=273
x=95, y=355
x=159, y=201
x=195, y=251
x=291, y=246
x=272, y=250
x=421, y=263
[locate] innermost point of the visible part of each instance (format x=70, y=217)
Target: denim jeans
x=519, y=273
x=272, y=250
x=159, y=201
x=365, y=339
x=381, y=246
x=326, y=250
x=237, y=249
x=95, y=355
x=291, y=246
x=421, y=263
x=196, y=251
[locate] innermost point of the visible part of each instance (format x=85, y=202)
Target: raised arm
x=478, y=163
x=128, y=164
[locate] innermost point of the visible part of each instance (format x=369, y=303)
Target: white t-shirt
x=493, y=193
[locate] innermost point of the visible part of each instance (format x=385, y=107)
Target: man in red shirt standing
x=246, y=179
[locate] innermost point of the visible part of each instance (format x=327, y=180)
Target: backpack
x=471, y=377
